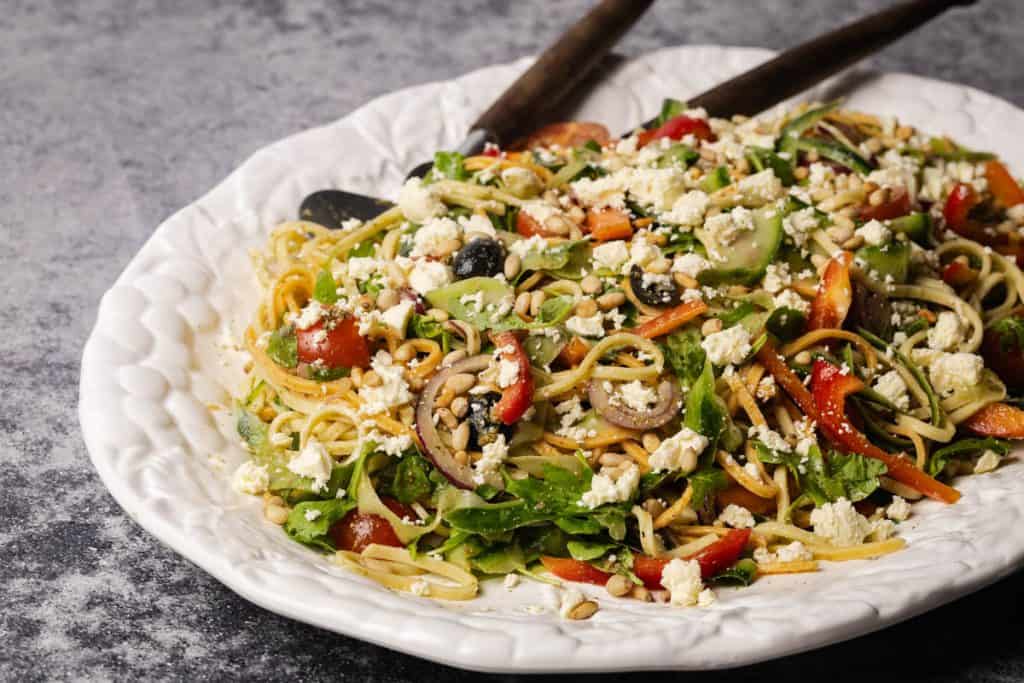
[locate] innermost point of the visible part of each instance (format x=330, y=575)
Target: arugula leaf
x=283, y=347
x=786, y=323
x=425, y=327
x=684, y=354
x=364, y=248
x=938, y=460
x=559, y=491
x=736, y=314
x=740, y=574
x=328, y=374
x=500, y=560
x=412, y=479
x=678, y=156
x=705, y=412
x=670, y=108
x=706, y=482
x=585, y=551
x=761, y=159
x=843, y=475
x=555, y=310
x=326, y=289
x=449, y=165
x=312, y=529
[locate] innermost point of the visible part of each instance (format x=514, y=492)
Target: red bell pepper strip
x=962, y=198
x=675, y=128
x=897, y=205
x=999, y=420
x=713, y=560
x=830, y=387
x=516, y=398
x=671, y=319
x=1002, y=185
x=787, y=379
x=957, y=274
x=835, y=294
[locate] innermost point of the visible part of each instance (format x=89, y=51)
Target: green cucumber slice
x=917, y=226
x=841, y=154
x=888, y=259
x=716, y=180
x=747, y=258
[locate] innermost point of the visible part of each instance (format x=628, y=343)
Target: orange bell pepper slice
x=671, y=319
x=999, y=420
x=610, y=224
x=835, y=294
x=1002, y=184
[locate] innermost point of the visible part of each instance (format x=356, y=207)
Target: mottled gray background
x=113, y=114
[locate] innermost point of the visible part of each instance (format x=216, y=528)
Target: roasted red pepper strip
x=897, y=205
x=957, y=274
x=713, y=560
x=787, y=379
x=517, y=398
x=671, y=319
x=1002, y=185
x=675, y=128
x=998, y=420
x=835, y=294
x=962, y=198
x=830, y=387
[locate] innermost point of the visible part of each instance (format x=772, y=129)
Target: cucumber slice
x=747, y=257
x=889, y=259
x=917, y=226
x=841, y=154
x=795, y=128
x=678, y=155
x=716, y=180
x=761, y=158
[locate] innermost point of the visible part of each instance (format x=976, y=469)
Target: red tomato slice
x=567, y=134
x=574, y=570
x=341, y=347
x=357, y=530
x=835, y=294
x=1002, y=185
x=898, y=205
x=675, y=128
x=957, y=274
x=962, y=198
x=517, y=398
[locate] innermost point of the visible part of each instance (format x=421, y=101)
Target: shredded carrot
x=671, y=319
x=609, y=224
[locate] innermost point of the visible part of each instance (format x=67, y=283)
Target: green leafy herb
x=310, y=522
x=500, y=560
x=412, y=479
x=761, y=159
x=706, y=482
x=842, y=475
x=283, y=348
x=670, y=108
x=326, y=289
x=678, y=156
x=425, y=327
x=736, y=314
x=586, y=551
x=449, y=165
x=684, y=354
x=938, y=460
x=786, y=323
x=327, y=374
x=740, y=574
x=706, y=413
x=1011, y=333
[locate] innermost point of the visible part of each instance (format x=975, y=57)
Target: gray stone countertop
x=113, y=114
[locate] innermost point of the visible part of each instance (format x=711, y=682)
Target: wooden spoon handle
x=557, y=70
x=807, y=64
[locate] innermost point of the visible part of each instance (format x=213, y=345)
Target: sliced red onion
x=664, y=410
x=457, y=473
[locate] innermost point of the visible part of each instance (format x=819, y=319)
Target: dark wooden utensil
x=519, y=109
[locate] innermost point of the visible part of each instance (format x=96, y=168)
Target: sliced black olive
x=483, y=428
x=870, y=310
x=653, y=290
x=331, y=208
x=482, y=257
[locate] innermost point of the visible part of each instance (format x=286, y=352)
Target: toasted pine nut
x=803, y=358
x=612, y=459
x=576, y=215
x=447, y=418
x=904, y=132
x=357, y=377
x=800, y=172
x=512, y=265
x=406, y=414
x=591, y=284
x=586, y=307
x=386, y=299
x=650, y=442
x=878, y=197
x=611, y=300
x=584, y=610
x=711, y=326
x=558, y=225
x=445, y=398
x=276, y=514
x=371, y=379
x=640, y=593
x=460, y=436
x=522, y=306
x=684, y=280
x=536, y=301
x=461, y=457
x=659, y=266
x=618, y=585
x=460, y=406
x=460, y=383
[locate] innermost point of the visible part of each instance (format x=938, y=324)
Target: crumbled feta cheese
x=655, y=187
x=603, y=489
x=682, y=578
x=679, y=452
x=250, y=478
x=794, y=552
x=494, y=454
x=480, y=224
x=840, y=523
x=688, y=210
x=535, y=244
x=728, y=347
x=611, y=255
x=800, y=224
x=539, y=210
x=690, y=264
x=946, y=333
x=511, y=581
x=395, y=446
x=881, y=529
x=874, y=233
x=508, y=372
x=430, y=239
x=634, y=395
x=805, y=435
x=310, y=315
x=397, y=317
x=790, y=299
x=586, y=327
x=725, y=228
x=571, y=412
x=315, y=462
x=392, y=391
x=706, y=598
x=766, y=388
x=627, y=145
x=820, y=176
x=642, y=252
x=603, y=192
x=776, y=277
x=426, y=276
x=570, y=599
x=950, y=372
x=737, y=517
x=760, y=188
x=769, y=437
x=417, y=202
x=898, y=510
x=988, y=461
x=892, y=387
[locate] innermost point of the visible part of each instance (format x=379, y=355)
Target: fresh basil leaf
x=283, y=347
x=412, y=479
x=310, y=521
x=326, y=289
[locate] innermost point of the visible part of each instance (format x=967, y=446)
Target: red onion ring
x=664, y=410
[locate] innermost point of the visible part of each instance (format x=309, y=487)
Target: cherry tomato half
x=357, y=530
x=340, y=345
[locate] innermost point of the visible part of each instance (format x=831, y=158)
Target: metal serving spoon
x=564, y=65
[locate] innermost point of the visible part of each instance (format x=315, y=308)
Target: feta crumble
x=679, y=452
x=840, y=523
x=946, y=333
x=603, y=489
x=314, y=462
x=682, y=579
x=250, y=478
x=728, y=347
x=737, y=517
x=892, y=387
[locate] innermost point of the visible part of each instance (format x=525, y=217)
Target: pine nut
x=438, y=315
x=640, y=593
x=577, y=215
x=536, y=301
x=357, y=377
x=904, y=132
x=878, y=197
x=854, y=242
x=812, y=156
x=618, y=585
x=446, y=417
x=586, y=308
x=800, y=172
x=591, y=284
x=612, y=459
x=584, y=610
x=405, y=353
x=407, y=415
x=371, y=379
x=650, y=442
x=611, y=300
x=659, y=266
x=512, y=265
x=460, y=436
x=558, y=225
x=684, y=280
x=445, y=398
x=460, y=383
x=873, y=145
x=268, y=414
x=276, y=514
x=803, y=358
x=415, y=382
x=447, y=247
x=711, y=326
x=840, y=233
x=461, y=457
x=460, y=406
x=387, y=299
x=522, y=305
x=454, y=357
